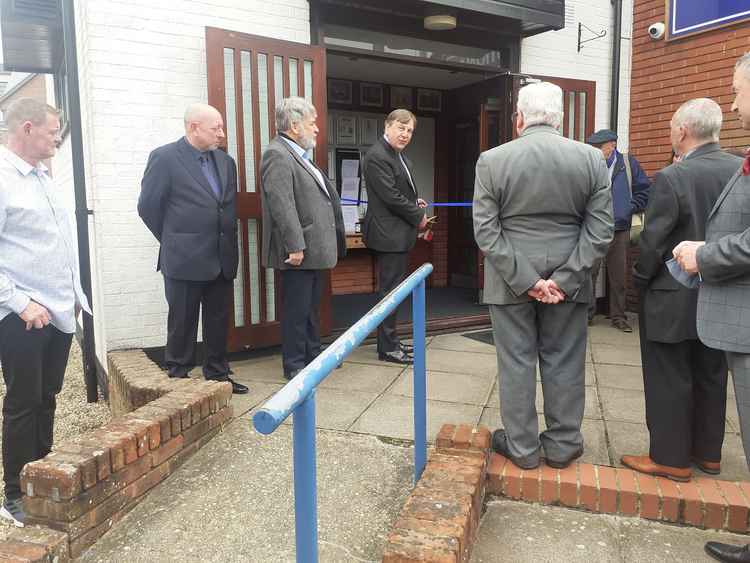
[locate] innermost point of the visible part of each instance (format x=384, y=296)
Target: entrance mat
x=484, y=336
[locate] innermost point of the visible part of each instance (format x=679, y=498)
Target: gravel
x=73, y=415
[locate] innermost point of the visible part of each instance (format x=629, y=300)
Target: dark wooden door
x=247, y=75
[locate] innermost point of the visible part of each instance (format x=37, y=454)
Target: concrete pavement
x=233, y=500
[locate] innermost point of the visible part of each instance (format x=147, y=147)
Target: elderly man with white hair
x=685, y=381
x=542, y=217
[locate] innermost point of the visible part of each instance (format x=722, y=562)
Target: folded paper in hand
x=691, y=281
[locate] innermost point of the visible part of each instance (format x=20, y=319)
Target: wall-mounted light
x=440, y=22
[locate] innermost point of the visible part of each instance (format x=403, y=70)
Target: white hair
x=743, y=65
x=701, y=116
x=541, y=104
x=292, y=110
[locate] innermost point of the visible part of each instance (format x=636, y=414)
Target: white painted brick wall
x=142, y=63
x=554, y=54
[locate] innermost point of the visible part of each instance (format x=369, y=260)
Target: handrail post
x=305, y=482
x=420, y=384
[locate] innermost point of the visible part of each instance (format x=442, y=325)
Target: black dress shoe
x=406, y=348
x=237, y=388
x=289, y=375
x=729, y=553
x=397, y=357
x=500, y=446
x=563, y=464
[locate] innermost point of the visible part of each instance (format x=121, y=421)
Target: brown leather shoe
x=710, y=467
x=644, y=464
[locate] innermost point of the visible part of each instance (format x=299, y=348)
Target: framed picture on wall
x=401, y=97
x=346, y=130
x=429, y=100
x=368, y=130
x=340, y=91
x=371, y=95
x=331, y=129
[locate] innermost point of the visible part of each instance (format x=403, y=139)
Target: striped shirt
x=38, y=253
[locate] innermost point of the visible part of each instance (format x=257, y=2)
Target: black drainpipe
x=615, y=90
x=79, y=180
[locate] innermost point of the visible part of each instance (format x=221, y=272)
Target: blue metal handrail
x=298, y=398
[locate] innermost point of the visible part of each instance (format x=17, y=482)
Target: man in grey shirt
x=40, y=291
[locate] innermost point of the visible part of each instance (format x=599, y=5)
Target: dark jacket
x=681, y=198
x=392, y=216
x=297, y=212
x=197, y=230
x=624, y=201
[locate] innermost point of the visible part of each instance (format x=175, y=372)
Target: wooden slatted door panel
x=247, y=76
x=579, y=103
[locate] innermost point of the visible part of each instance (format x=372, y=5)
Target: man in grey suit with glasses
x=723, y=263
x=542, y=217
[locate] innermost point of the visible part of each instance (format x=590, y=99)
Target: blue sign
x=693, y=16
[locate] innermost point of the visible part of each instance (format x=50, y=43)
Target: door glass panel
x=253, y=262
x=247, y=120
x=263, y=100
x=308, y=81
x=293, y=78
x=582, y=116
x=571, y=115
x=239, y=283
x=278, y=79
x=270, y=295
x=231, y=117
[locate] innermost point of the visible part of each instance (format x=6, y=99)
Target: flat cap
x=602, y=136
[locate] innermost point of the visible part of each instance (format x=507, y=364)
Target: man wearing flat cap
x=630, y=187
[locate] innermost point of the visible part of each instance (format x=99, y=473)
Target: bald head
x=204, y=127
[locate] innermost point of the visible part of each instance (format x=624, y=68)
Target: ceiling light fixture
x=440, y=22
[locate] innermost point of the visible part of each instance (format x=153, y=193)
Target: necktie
x=746, y=164
x=208, y=172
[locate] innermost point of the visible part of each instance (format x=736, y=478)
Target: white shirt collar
x=23, y=167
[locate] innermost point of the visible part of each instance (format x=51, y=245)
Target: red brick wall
x=668, y=73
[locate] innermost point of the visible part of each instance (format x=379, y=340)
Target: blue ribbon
x=347, y=201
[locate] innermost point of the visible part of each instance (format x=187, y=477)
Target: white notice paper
x=350, y=217
x=349, y=168
x=349, y=189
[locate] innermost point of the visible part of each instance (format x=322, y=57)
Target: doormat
x=484, y=336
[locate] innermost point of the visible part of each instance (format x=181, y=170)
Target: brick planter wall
x=89, y=483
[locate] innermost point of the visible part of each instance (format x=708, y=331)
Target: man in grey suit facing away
x=542, y=217
x=303, y=229
x=723, y=263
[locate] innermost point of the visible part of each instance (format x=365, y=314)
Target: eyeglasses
x=513, y=116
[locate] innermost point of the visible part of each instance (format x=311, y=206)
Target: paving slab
x=515, y=532
x=622, y=354
x=363, y=377
x=443, y=386
x=626, y=438
x=460, y=343
x=451, y=361
x=233, y=501
x=392, y=416
x=627, y=405
x=619, y=376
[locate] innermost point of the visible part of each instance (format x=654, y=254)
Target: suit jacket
x=196, y=230
x=724, y=264
x=542, y=209
x=392, y=216
x=298, y=214
x=682, y=196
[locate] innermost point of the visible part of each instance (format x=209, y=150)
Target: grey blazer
x=542, y=209
x=298, y=214
x=724, y=263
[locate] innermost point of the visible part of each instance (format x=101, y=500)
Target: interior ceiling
x=367, y=69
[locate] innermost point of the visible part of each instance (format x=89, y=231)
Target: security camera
x=656, y=30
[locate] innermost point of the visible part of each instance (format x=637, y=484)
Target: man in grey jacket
x=303, y=229
x=723, y=263
x=542, y=216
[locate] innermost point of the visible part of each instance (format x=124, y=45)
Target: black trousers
x=185, y=299
x=686, y=401
x=391, y=272
x=300, y=317
x=34, y=363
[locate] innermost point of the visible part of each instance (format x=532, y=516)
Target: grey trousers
x=555, y=336
x=739, y=364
